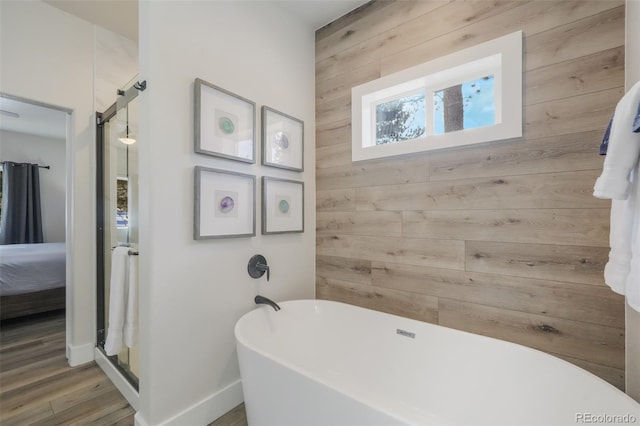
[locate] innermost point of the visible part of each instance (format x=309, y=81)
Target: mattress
x=27, y=268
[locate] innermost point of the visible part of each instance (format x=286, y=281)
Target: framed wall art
x=224, y=123
x=282, y=140
x=224, y=204
x=282, y=206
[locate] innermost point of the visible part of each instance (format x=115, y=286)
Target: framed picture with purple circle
x=225, y=123
x=224, y=204
x=282, y=140
x=282, y=206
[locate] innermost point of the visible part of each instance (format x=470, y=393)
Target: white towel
x=123, y=301
x=632, y=289
x=117, y=299
x=131, y=313
x=617, y=269
x=620, y=182
x=622, y=152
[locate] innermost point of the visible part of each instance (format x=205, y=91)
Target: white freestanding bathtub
x=317, y=362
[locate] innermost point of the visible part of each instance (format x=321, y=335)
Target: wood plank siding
x=502, y=239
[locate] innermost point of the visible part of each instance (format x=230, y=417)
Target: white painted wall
x=48, y=56
x=193, y=292
x=632, y=75
x=24, y=148
x=116, y=65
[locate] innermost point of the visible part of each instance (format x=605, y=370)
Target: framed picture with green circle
x=282, y=206
x=225, y=124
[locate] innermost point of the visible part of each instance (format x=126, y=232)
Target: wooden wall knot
x=546, y=328
x=347, y=34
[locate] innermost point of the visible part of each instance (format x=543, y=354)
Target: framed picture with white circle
x=282, y=140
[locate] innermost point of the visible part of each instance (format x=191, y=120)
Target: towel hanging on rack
x=619, y=182
x=123, y=301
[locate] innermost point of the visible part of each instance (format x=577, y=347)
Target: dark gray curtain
x=21, y=221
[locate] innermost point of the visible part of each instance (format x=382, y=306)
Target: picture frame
x=282, y=206
x=224, y=204
x=282, y=140
x=225, y=123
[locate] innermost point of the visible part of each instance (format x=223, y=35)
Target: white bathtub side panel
x=441, y=376
x=275, y=395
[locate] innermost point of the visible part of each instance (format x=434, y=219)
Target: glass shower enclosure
x=117, y=210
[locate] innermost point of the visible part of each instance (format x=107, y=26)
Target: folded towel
x=117, y=299
x=605, y=138
x=622, y=151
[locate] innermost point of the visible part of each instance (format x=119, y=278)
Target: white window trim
x=501, y=57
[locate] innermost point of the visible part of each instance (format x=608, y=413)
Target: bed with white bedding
x=32, y=278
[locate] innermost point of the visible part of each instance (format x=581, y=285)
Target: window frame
x=501, y=57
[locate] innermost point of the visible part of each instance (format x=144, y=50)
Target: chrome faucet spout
x=265, y=301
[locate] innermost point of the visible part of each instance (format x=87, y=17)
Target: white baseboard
x=209, y=409
x=125, y=388
x=138, y=420
x=78, y=355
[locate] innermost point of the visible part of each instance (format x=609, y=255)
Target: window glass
x=464, y=106
x=122, y=209
x=400, y=119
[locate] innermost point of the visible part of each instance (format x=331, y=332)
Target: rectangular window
x=456, y=100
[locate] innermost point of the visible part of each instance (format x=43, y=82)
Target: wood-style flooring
x=37, y=386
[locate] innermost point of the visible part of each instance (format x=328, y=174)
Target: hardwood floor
x=37, y=386
x=235, y=417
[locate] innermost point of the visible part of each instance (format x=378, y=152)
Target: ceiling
x=121, y=16
x=318, y=13
x=32, y=119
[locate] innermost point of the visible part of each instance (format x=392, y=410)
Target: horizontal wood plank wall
x=503, y=239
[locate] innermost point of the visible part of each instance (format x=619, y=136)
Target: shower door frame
x=101, y=119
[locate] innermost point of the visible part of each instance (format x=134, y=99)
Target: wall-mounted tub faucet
x=261, y=300
x=258, y=266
